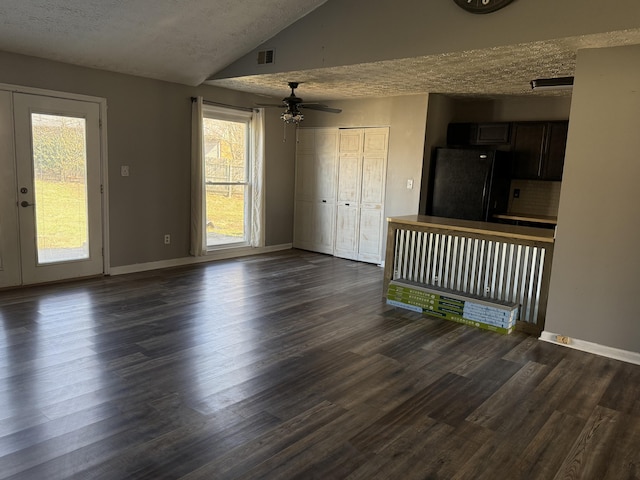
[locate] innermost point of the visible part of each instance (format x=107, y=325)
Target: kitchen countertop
x=525, y=217
x=537, y=234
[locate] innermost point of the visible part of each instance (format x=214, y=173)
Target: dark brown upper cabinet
x=538, y=150
x=463, y=134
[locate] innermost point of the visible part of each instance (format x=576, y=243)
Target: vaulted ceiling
x=182, y=41
x=186, y=41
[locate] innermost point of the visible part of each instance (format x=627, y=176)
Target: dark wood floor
x=290, y=366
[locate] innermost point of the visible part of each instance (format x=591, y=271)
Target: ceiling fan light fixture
x=558, y=83
x=292, y=116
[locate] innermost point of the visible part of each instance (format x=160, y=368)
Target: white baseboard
x=212, y=256
x=602, y=350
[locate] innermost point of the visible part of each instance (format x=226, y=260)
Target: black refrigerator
x=469, y=184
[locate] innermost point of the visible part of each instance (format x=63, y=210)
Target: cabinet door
x=492, y=133
x=528, y=147
x=556, y=144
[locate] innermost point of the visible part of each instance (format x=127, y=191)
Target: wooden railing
x=500, y=262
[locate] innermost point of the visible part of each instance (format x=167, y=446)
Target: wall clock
x=482, y=6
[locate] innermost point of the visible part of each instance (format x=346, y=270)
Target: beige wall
x=149, y=130
x=595, y=280
x=360, y=31
x=279, y=180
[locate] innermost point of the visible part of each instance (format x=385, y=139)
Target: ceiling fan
x=294, y=104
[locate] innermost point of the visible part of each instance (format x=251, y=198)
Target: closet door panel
x=370, y=235
x=373, y=180
x=324, y=218
x=351, y=140
x=303, y=234
x=346, y=232
x=305, y=176
x=376, y=140
x=349, y=174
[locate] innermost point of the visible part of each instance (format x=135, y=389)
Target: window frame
x=239, y=116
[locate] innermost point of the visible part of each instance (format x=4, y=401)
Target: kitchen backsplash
x=536, y=197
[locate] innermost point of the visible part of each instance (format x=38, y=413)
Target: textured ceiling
x=491, y=72
x=185, y=41
x=182, y=41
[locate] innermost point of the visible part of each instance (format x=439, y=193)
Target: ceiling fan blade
x=279, y=105
x=319, y=107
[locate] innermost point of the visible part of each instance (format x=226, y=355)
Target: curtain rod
x=218, y=104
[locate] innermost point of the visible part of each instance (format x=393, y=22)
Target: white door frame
x=102, y=103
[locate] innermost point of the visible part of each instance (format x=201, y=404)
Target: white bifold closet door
x=362, y=169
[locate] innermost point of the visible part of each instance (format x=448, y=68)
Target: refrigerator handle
x=486, y=200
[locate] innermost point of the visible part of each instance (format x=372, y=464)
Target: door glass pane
x=225, y=160
x=60, y=182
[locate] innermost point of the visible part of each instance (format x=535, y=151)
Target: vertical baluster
x=455, y=261
x=540, y=268
x=446, y=261
x=467, y=264
x=516, y=274
x=502, y=280
x=403, y=255
x=423, y=256
x=430, y=260
x=533, y=281
x=523, y=281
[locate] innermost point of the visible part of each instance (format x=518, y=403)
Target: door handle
x=24, y=203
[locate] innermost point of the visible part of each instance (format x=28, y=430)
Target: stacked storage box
x=471, y=310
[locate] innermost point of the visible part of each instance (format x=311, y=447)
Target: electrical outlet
x=516, y=193
x=410, y=184
x=167, y=239
x=562, y=339
x=124, y=170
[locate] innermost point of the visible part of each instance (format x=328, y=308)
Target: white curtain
x=198, y=233
x=257, y=180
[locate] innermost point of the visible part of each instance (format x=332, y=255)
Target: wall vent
x=266, y=56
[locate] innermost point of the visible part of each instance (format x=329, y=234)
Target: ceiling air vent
x=266, y=56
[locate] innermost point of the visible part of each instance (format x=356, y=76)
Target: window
x=227, y=176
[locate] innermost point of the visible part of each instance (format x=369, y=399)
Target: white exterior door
x=10, y=269
x=51, y=205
